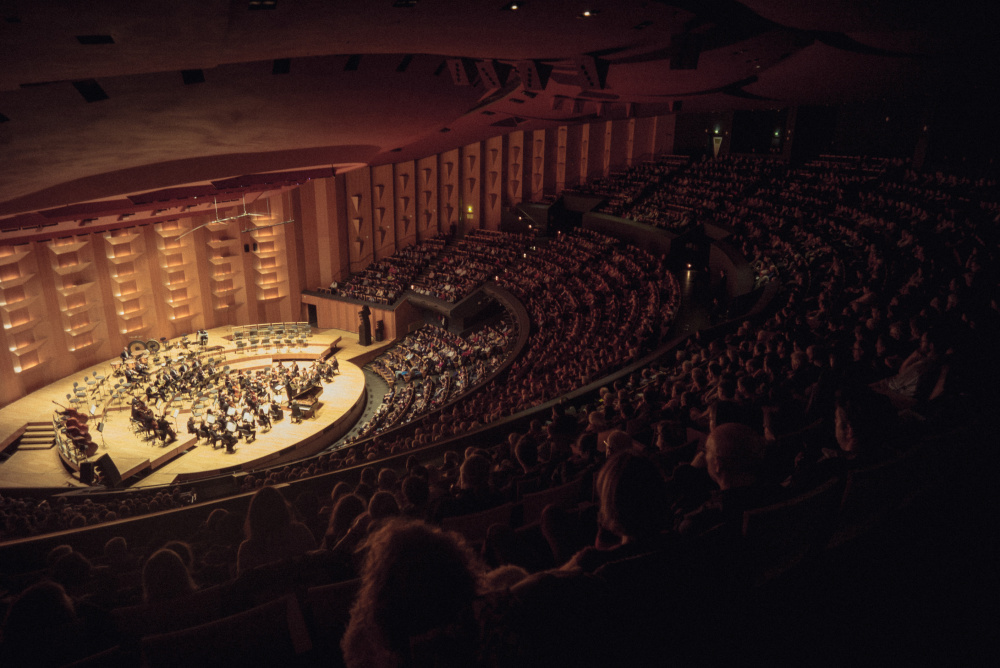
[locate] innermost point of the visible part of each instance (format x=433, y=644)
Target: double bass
x=73, y=424
x=164, y=431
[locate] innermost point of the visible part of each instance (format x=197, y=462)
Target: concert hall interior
x=472, y=332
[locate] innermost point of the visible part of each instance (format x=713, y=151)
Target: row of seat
x=291, y=630
x=251, y=338
x=776, y=538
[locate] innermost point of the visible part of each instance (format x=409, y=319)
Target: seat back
x=328, y=610
x=474, y=526
x=566, y=495
x=872, y=493
x=271, y=634
x=134, y=622
x=780, y=536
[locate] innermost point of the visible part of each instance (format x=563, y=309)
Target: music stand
x=100, y=430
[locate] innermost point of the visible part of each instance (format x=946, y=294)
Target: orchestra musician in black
x=263, y=419
x=228, y=438
x=164, y=431
x=248, y=428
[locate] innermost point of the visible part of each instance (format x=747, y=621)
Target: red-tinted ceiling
x=369, y=83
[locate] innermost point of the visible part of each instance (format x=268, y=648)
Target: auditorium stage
x=148, y=462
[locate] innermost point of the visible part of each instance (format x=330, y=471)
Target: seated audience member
x=554, y=618
x=345, y=511
x=475, y=492
x=415, y=605
x=271, y=534
x=165, y=576
x=734, y=459
x=73, y=571
x=633, y=508
x=42, y=629
x=416, y=495
x=920, y=375
x=383, y=506
x=865, y=428
x=582, y=462
x=619, y=441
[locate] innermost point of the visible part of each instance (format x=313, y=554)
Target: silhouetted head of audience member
x=268, y=516
x=633, y=496
x=183, y=551
x=116, y=551
x=863, y=419
x=72, y=571
x=369, y=476
x=344, y=513
x=475, y=474
x=41, y=627
x=526, y=452
x=617, y=441
x=585, y=445
x=164, y=577
x=383, y=506
x=416, y=491
x=734, y=454
x=418, y=584
x=387, y=480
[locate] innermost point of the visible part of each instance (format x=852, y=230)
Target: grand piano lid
x=308, y=395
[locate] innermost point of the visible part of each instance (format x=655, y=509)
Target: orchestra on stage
x=226, y=404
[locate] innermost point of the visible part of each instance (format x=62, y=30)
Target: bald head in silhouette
x=733, y=455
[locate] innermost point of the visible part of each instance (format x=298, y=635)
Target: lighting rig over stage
x=240, y=216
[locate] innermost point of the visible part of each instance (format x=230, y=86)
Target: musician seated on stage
x=164, y=431
x=263, y=419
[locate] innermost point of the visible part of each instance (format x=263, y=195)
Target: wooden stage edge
x=340, y=406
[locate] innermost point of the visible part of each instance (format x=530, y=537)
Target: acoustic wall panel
x=555, y=160
x=449, y=177
x=470, y=204
x=643, y=147
x=515, y=167
x=618, y=134
x=359, y=217
x=493, y=180
x=537, y=166
x=383, y=211
x=405, y=209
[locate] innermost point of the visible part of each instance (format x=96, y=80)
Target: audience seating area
x=752, y=478
x=432, y=367
x=384, y=281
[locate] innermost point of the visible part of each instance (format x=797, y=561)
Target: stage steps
x=37, y=436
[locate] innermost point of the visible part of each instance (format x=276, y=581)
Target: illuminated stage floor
x=44, y=468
